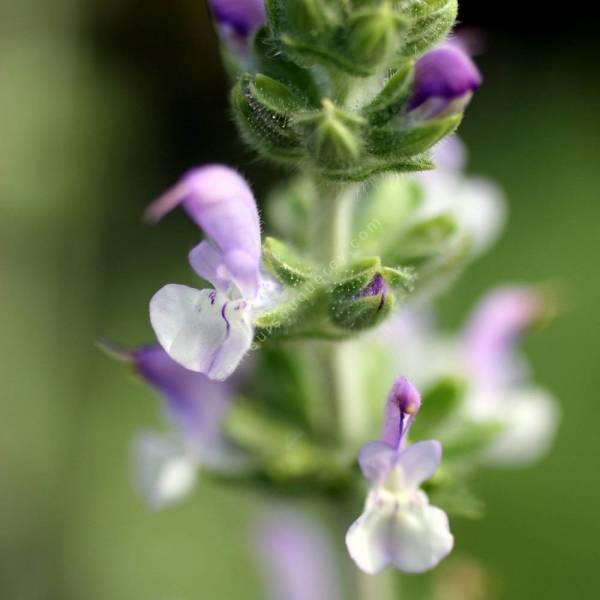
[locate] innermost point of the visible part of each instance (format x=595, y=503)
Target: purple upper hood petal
x=221, y=203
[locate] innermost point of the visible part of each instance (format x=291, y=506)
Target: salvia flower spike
x=358, y=98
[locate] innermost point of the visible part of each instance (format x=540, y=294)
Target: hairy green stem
x=332, y=233
x=334, y=228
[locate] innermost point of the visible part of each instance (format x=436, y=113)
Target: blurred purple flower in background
x=399, y=527
x=296, y=558
x=476, y=204
x=498, y=375
x=210, y=331
x=494, y=331
x=166, y=464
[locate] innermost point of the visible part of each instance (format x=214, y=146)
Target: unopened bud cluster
x=348, y=89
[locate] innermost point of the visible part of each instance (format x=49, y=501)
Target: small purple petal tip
x=404, y=402
x=238, y=20
x=445, y=78
x=376, y=287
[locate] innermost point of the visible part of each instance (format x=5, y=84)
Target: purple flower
x=494, y=331
x=445, y=79
x=499, y=388
x=398, y=526
x=166, y=465
x=238, y=20
x=296, y=559
x=210, y=331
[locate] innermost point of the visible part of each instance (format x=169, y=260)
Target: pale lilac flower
x=210, y=331
x=166, y=464
x=494, y=330
x=476, y=204
x=296, y=558
x=398, y=526
x=498, y=376
x=445, y=79
x=237, y=20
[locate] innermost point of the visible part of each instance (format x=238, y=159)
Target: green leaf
x=401, y=280
x=411, y=139
x=304, y=309
x=470, y=439
x=392, y=98
x=275, y=10
x=382, y=213
x=287, y=453
x=268, y=132
x=284, y=263
x=284, y=384
x=308, y=54
x=271, y=61
x=370, y=166
x=440, y=402
x=457, y=500
x=276, y=96
x=434, y=20
x=423, y=241
x=289, y=208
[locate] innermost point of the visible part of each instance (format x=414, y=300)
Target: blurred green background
x=102, y=105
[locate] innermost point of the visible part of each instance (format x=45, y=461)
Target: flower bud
x=334, y=136
x=445, y=79
x=374, y=34
x=262, y=119
x=311, y=17
x=364, y=307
